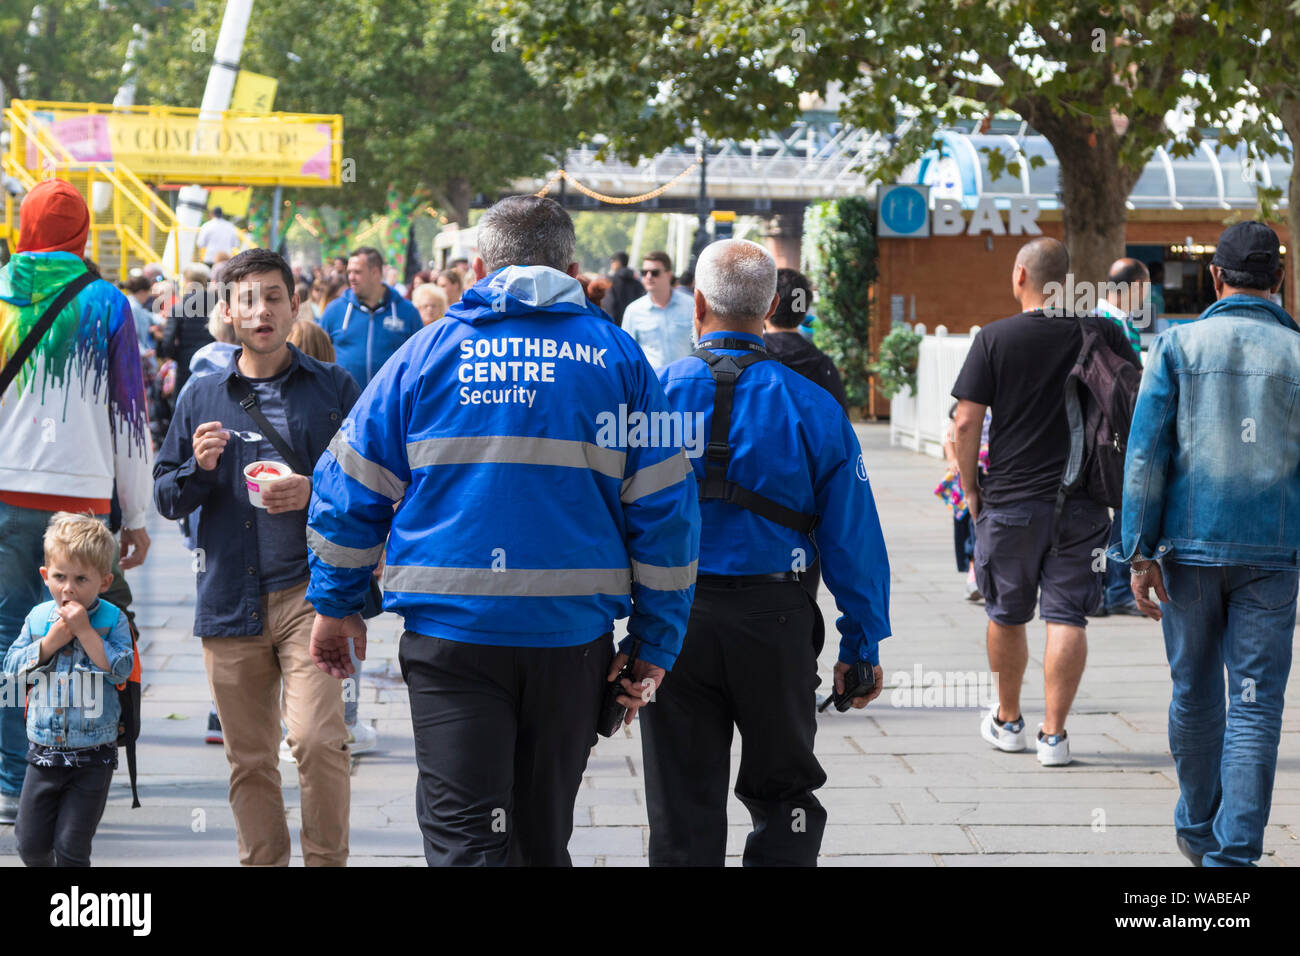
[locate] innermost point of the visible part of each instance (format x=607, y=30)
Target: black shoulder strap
x=249, y=404
x=33, y=338
x=726, y=370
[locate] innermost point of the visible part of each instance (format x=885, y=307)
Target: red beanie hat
x=54, y=218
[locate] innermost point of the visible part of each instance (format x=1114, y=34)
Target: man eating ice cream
x=251, y=562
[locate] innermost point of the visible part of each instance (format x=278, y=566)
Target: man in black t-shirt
x=1018, y=367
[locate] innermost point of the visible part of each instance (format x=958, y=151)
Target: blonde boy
x=71, y=650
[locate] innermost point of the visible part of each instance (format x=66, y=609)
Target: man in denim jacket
x=1212, y=523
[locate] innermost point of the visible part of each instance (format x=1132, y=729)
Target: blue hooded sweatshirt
x=364, y=339
x=523, y=517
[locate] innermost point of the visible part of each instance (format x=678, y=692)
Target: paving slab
x=909, y=781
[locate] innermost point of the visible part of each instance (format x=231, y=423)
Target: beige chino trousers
x=254, y=680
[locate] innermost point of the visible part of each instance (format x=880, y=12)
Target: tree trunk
x=457, y=196
x=1290, y=111
x=1094, y=188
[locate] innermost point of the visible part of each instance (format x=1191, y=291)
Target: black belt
x=744, y=580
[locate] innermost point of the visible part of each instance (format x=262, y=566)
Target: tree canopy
x=1097, y=79
x=432, y=96
x=68, y=49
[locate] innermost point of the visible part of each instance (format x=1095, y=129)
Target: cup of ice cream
x=260, y=475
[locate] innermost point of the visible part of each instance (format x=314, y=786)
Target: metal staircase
x=129, y=224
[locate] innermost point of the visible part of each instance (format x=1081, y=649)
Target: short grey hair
x=526, y=231
x=737, y=279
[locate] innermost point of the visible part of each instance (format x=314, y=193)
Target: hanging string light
x=616, y=200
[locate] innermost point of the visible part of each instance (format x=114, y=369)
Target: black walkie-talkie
x=859, y=681
x=612, y=713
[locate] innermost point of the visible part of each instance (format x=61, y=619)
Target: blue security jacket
x=365, y=339
x=73, y=703
x=1212, y=474
x=525, y=516
x=790, y=442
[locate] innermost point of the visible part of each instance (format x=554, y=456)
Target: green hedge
x=839, y=255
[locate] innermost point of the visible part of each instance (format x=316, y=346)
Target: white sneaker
x=362, y=738
x=1009, y=736
x=1053, y=751
x=286, y=754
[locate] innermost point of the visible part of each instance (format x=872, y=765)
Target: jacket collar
x=1253, y=305
x=743, y=336
x=384, y=300
x=232, y=368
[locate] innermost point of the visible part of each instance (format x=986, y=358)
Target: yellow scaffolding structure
x=130, y=224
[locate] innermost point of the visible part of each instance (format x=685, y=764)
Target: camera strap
x=249, y=404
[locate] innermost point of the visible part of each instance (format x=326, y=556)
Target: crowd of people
x=512, y=456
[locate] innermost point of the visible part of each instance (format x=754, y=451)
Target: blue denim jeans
x=1118, y=591
x=22, y=552
x=1241, y=618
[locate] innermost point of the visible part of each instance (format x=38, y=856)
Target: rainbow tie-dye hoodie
x=74, y=420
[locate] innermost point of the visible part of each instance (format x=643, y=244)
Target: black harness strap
x=726, y=370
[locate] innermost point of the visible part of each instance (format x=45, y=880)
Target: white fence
x=919, y=421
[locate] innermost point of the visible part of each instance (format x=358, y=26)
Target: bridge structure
x=776, y=176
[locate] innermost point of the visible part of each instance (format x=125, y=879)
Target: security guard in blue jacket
x=535, y=510
x=781, y=478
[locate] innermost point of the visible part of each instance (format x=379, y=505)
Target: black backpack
x=128, y=726
x=1100, y=393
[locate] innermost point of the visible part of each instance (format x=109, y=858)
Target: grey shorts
x=1014, y=560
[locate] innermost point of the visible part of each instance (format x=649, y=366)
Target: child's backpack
x=128, y=724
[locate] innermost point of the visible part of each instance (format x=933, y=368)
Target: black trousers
x=502, y=736
x=963, y=540
x=59, y=812
x=749, y=660
x=811, y=579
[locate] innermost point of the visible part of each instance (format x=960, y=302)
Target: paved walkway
x=908, y=785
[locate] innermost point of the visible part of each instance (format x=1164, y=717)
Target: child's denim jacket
x=72, y=703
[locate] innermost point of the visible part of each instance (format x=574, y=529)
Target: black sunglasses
x=652, y=273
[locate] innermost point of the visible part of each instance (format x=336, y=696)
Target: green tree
x=432, y=94
x=67, y=49
x=601, y=234
x=1095, y=78
x=840, y=259
x=1264, y=38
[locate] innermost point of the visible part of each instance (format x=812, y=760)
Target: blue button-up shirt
x=790, y=442
x=665, y=333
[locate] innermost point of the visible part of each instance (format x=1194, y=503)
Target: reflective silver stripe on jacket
x=359, y=468
x=656, y=477
x=341, y=556
x=664, y=579
x=523, y=582
x=515, y=450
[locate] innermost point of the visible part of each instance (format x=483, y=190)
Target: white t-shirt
x=217, y=235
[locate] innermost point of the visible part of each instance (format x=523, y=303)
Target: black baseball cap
x=1248, y=247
